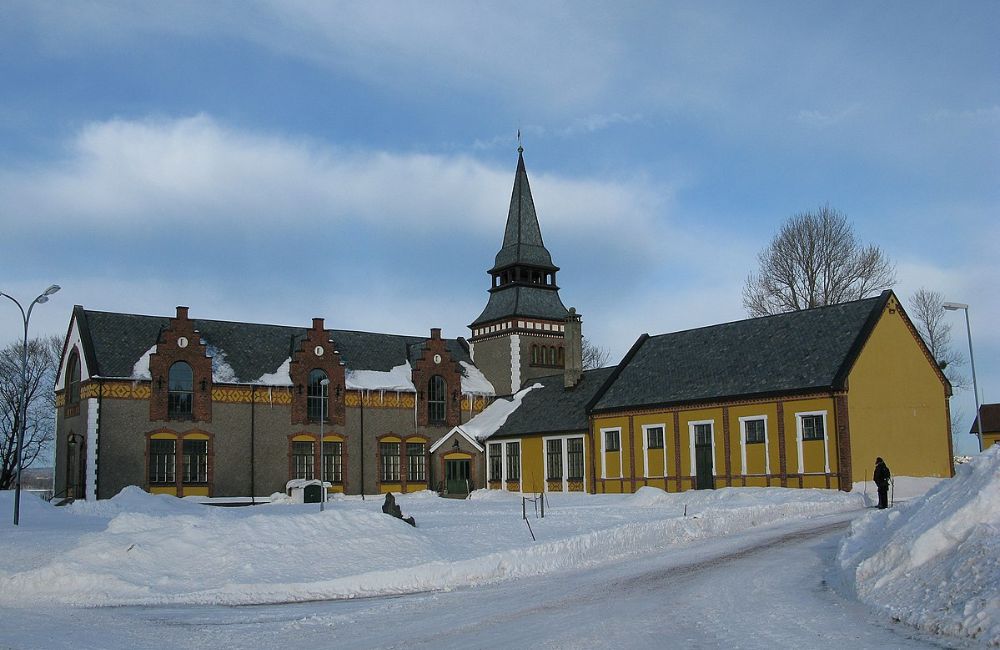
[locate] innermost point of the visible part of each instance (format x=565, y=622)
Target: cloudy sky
x=275, y=161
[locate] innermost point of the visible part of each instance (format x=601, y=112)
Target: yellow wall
x=897, y=405
x=990, y=439
x=759, y=456
x=532, y=465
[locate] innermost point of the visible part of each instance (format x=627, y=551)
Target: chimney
x=436, y=333
x=182, y=313
x=573, y=337
x=318, y=324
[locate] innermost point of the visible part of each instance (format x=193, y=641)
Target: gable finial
x=520, y=149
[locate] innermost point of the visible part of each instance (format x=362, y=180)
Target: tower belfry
x=521, y=332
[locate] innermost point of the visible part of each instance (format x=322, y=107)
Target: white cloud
x=126, y=175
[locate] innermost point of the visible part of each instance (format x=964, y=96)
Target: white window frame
x=743, y=443
x=691, y=426
x=645, y=449
x=503, y=469
x=826, y=441
x=564, y=441
x=604, y=452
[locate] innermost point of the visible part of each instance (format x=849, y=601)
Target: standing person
x=881, y=478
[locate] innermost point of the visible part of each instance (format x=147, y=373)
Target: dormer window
x=180, y=392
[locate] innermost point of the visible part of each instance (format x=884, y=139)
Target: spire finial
x=520, y=149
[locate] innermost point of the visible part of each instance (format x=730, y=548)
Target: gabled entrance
x=457, y=476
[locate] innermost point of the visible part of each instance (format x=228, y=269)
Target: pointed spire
x=522, y=239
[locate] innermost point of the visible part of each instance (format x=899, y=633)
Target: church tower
x=522, y=333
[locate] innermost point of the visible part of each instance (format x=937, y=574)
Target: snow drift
x=934, y=562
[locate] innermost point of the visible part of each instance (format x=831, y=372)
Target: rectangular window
x=574, y=458
x=654, y=438
x=195, y=461
x=333, y=464
x=612, y=440
x=513, y=461
x=755, y=430
x=162, y=458
x=554, y=459
x=703, y=434
x=415, y=457
x=390, y=461
x=496, y=466
x=302, y=460
x=812, y=427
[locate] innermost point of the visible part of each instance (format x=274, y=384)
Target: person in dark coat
x=881, y=478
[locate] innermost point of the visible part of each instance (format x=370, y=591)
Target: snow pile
x=904, y=488
x=486, y=423
x=935, y=562
x=162, y=550
x=399, y=378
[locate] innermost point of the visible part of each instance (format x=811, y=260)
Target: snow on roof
x=279, y=377
x=493, y=416
x=474, y=381
x=399, y=378
x=222, y=372
x=141, y=368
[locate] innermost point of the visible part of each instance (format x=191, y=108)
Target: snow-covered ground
x=140, y=549
x=934, y=562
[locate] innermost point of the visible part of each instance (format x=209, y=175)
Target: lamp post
x=22, y=405
x=954, y=306
x=325, y=391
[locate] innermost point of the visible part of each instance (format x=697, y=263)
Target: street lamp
x=22, y=404
x=325, y=392
x=954, y=306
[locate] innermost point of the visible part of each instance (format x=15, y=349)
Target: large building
x=188, y=406
x=803, y=399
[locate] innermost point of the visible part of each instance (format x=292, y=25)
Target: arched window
x=562, y=357
x=73, y=379
x=436, y=390
x=316, y=406
x=534, y=355
x=553, y=359
x=180, y=391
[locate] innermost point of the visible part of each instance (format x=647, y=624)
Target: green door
x=457, y=476
x=704, y=480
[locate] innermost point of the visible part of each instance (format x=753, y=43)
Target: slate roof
x=114, y=342
x=525, y=301
x=522, y=238
x=990, y=416
x=787, y=353
x=553, y=408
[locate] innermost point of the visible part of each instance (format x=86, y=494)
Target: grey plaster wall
x=493, y=359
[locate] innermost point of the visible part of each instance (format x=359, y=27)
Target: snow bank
x=162, y=550
x=934, y=562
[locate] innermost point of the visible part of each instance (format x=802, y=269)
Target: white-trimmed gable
x=73, y=342
x=456, y=431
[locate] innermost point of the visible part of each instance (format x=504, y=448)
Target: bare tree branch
x=928, y=317
x=594, y=356
x=39, y=431
x=815, y=260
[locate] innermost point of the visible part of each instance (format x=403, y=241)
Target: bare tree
x=594, y=356
x=39, y=430
x=928, y=316
x=815, y=260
